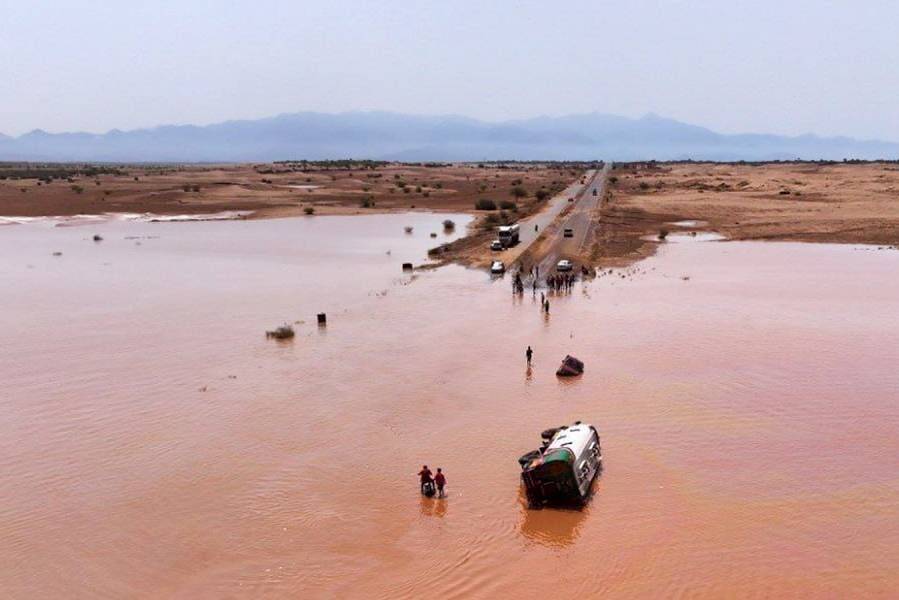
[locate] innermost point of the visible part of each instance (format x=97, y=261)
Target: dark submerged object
x=562, y=470
x=322, y=319
x=428, y=488
x=407, y=266
x=570, y=367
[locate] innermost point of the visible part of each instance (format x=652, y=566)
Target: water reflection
x=433, y=507
x=552, y=527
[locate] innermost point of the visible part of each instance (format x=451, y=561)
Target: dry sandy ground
x=842, y=203
x=271, y=190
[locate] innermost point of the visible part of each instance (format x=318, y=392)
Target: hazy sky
x=783, y=67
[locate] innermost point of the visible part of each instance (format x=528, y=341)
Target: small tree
x=541, y=194
x=519, y=192
x=485, y=204
x=309, y=210
x=508, y=205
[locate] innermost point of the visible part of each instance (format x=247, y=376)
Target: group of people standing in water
x=431, y=482
x=560, y=282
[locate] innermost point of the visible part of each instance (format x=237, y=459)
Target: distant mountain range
x=392, y=136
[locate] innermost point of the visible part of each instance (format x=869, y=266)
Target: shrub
x=196, y=188
x=418, y=188
x=613, y=180
x=508, y=205
x=519, y=192
x=309, y=210
x=448, y=224
x=541, y=194
x=644, y=185
x=77, y=189
x=283, y=332
x=367, y=202
x=663, y=233
x=485, y=204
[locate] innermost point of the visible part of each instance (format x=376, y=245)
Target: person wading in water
x=440, y=480
x=426, y=481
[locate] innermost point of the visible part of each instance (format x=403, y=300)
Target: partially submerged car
x=496, y=245
x=564, y=265
x=497, y=267
x=563, y=469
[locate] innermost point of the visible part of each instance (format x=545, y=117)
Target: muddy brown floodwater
x=154, y=444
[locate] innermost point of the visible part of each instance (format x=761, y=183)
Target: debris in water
x=284, y=332
x=98, y=237
x=570, y=367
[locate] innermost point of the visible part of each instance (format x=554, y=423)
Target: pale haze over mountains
x=393, y=136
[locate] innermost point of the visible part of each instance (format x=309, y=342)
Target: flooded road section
x=154, y=444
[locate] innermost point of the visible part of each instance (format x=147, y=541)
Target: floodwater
x=154, y=444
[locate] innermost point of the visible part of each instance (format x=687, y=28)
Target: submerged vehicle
x=563, y=469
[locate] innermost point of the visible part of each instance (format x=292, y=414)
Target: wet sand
x=154, y=444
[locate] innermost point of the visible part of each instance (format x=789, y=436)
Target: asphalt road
x=581, y=220
x=528, y=235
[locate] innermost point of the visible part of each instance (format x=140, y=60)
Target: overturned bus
x=563, y=469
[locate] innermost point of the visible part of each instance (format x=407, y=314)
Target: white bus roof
x=574, y=437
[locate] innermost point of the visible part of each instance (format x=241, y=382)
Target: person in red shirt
x=426, y=479
x=440, y=480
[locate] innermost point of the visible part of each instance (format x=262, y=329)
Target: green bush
x=508, y=205
x=485, y=204
x=541, y=194
x=519, y=192
x=309, y=210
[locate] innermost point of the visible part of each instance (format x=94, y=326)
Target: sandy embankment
x=265, y=190
x=809, y=202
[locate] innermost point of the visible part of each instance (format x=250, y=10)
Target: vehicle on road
x=562, y=470
x=508, y=235
x=496, y=245
x=497, y=267
x=568, y=232
x=564, y=265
